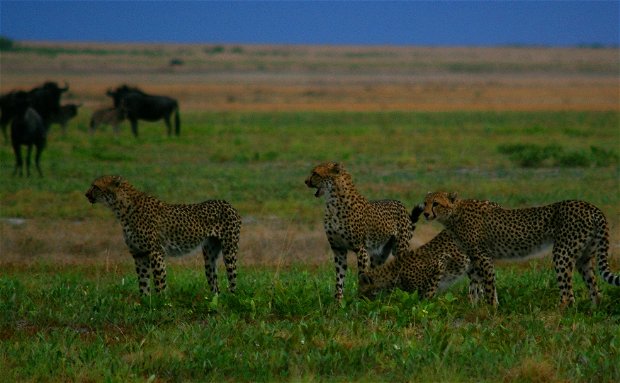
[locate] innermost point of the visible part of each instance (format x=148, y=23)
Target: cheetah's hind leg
x=210, y=251
x=230, y=261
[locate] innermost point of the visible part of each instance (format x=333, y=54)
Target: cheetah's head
x=323, y=175
x=103, y=189
x=438, y=205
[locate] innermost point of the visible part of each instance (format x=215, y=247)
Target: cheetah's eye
x=435, y=203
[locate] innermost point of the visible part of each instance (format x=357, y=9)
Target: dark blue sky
x=551, y=23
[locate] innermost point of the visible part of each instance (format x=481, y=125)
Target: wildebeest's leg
x=168, y=127
x=19, y=165
x=37, y=158
x=210, y=251
x=177, y=122
x=134, y=126
x=143, y=269
x=28, y=160
x=92, y=125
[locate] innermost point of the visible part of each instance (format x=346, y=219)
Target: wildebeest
x=27, y=129
x=64, y=114
x=141, y=106
x=45, y=99
x=106, y=116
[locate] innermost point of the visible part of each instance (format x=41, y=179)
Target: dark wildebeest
x=138, y=105
x=106, y=116
x=27, y=129
x=45, y=99
x=64, y=114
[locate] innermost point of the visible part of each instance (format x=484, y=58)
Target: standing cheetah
x=372, y=229
x=154, y=229
x=578, y=231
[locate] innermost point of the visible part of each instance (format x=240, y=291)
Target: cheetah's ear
x=337, y=168
x=117, y=180
x=452, y=196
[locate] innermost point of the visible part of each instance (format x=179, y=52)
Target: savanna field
x=519, y=126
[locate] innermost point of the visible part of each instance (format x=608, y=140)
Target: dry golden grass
x=277, y=78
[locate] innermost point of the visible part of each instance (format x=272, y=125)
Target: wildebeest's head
x=121, y=92
x=45, y=99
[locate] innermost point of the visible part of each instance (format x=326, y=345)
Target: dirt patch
x=263, y=242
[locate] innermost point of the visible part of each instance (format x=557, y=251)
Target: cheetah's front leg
x=340, y=258
x=363, y=260
x=476, y=291
x=158, y=266
x=143, y=269
x=485, y=266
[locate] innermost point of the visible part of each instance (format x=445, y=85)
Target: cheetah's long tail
x=602, y=249
x=415, y=213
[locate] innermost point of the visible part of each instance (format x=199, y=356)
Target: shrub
x=6, y=44
x=532, y=156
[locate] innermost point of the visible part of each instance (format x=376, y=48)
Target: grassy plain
x=255, y=120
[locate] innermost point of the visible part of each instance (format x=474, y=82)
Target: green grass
x=79, y=323
x=258, y=161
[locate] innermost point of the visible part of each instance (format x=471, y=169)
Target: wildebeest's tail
x=415, y=213
x=601, y=243
x=177, y=121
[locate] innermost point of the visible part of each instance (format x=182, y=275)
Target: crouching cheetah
x=370, y=229
x=154, y=229
x=578, y=231
x=433, y=266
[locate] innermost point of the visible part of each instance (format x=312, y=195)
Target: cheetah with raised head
x=154, y=229
x=578, y=231
x=427, y=269
x=371, y=229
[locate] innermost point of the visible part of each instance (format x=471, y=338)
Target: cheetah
x=371, y=229
x=154, y=229
x=427, y=269
x=578, y=231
